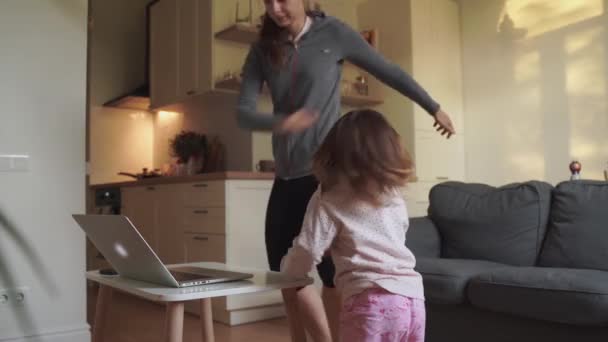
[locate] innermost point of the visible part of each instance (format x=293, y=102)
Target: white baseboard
x=241, y=316
x=237, y=317
x=80, y=335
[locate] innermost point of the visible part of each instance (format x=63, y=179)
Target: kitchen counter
x=237, y=175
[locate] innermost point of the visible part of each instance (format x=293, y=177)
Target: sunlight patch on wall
x=584, y=75
x=586, y=86
x=541, y=16
x=528, y=166
x=527, y=67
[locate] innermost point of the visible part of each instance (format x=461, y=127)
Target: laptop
x=122, y=245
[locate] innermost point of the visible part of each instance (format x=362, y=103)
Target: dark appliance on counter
x=107, y=202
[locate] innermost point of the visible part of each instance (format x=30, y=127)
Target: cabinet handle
x=150, y=188
x=190, y=92
x=200, y=185
x=201, y=212
x=200, y=238
x=442, y=178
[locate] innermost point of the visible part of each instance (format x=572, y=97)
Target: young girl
x=359, y=216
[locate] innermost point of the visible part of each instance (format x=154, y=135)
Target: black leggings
x=284, y=217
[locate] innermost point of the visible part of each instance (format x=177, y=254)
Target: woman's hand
x=443, y=123
x=298, y=121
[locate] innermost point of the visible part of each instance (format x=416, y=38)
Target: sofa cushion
x=478, y=221
x=577, y=235
x=445, y=280
x=423, y=238
x=562, y=295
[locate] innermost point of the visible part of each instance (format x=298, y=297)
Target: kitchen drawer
x=204, y=247
x=204, y=220
x=203, y=194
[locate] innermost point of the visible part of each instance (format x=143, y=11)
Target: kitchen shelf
x=356, y=100
x=353, y=100
x=240, y=33
x=233, y=86
x=130, y=102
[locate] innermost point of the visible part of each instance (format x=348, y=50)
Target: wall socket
x=17, y=296
x=14, y=163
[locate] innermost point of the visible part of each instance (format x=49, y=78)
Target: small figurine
x=575, y=170
x=361, y=85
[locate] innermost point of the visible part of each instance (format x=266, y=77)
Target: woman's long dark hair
x=272, y=36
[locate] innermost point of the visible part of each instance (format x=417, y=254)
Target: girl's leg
x=310, y=313
x=284, y=216
x=331, y=302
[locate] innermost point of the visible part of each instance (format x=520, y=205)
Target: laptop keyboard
x=181, y=276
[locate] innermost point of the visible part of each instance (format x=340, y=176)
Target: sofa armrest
x=423, y=238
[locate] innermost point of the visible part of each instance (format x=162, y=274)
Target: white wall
x=536, y=94
x=42, y=92
x=120, y=139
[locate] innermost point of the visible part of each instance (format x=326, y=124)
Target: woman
x=299, y=56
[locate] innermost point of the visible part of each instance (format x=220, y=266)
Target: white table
x=176, y=297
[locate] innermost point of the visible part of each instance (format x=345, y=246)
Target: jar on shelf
x=361, y=85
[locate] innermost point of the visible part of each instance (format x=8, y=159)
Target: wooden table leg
x=207, y=320
x=174, y=322
x=296, y=329
x=104, y=296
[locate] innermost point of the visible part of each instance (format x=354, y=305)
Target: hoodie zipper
x=294, y=62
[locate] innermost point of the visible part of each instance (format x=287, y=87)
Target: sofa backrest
x=577, y=235
x=477, y=221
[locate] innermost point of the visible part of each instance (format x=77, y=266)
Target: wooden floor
x=131, y=319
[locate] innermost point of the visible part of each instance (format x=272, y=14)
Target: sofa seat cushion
x=504, y=224
x=577, y=235
x=571, y=296
x=445, y=280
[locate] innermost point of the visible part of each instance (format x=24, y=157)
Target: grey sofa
x=522, y=262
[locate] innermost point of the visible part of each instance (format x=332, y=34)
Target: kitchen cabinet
x=141, y=206
x=423, y=37
x=438, y=66
x=416, y=196
x=187, y=53
x=220, y=221
x=195, y=44
x=163, y=47
x=438, y=159
x=180, y=51
x=204, y=247
x=153, y=210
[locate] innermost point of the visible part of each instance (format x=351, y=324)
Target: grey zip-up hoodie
x=310, y=79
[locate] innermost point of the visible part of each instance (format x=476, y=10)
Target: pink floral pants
x=376, y=315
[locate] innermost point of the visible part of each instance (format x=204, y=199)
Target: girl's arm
x=359, y=52
x=317, y=235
